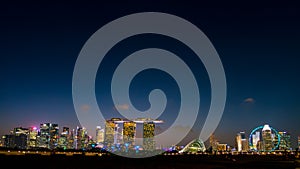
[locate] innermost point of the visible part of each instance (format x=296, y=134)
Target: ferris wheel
x=264, y=138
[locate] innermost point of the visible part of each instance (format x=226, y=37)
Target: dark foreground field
x=157, y=162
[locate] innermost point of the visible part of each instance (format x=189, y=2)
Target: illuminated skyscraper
x=110, y=131
x=299, y=142
x=81, y=138
x=255, y=140
x=64, y=138
x=213, y=142
x=49, y=134
x=238, y=140
x=99, y=135
x=149, y=124
x=32, y=140
x=21, y=137
x=129, y=128
x=54, y=135
x=267, y=138
x=2, y=141
x=71, y=140
x=245, y=143
x=285, y=140
x=242, y=144
x=148, y=135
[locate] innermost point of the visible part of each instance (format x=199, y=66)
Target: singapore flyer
x=264, y=139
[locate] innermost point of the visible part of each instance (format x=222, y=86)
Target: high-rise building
x=49, y=134
x=84, y=138
x=299, y=142
x=245, y=143
x=148, y=132
x=2, y=141
x=71, y=144
x=238, y=141
x=129, y=128
x=21, y=137
x=32, y=140
x=255, y=140
x=44, y=139
x=81, y=138
x=148, y=136
x=213, y=142
x=63, y=140
x=8, y=141
x=54, y=135
x=267, y=138
x=285, y=140
x=242, y=144
x=77, y=138
x=110, y=131
x=99, y=135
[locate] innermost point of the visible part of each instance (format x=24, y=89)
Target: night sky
x=258, y=45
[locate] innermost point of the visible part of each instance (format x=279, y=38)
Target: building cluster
x=120, y=134
x=262, y=139
x=117, y=133
x=47, y=136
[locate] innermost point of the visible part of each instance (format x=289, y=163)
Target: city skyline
x=242, y=141
x=258, y=47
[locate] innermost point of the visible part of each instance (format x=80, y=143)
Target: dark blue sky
x=258, y=46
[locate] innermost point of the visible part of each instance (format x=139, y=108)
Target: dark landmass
x=80, y=161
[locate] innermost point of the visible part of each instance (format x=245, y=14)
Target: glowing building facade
x=32, y=140
x=110, y=127
x=129, y=128
x=20, y=137
x=81, y=138
x=255, y=140
x=49, y=134
x=267, y=138
x=63, y=140
x=298, y=142
x=213, y=142
x=148, y=136
x=242, y=144
x=285, y=140
x=99, y=135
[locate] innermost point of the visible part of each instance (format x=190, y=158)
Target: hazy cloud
x=122, y=106
x=85, y=108
x=249, y=100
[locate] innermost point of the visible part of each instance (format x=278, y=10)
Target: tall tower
x=32, y=140
x=54, y=135
x=21, y=137
x=44, y=139
x=99, y=135
x=213, y=142
x=63, y=140
x=238, y=140
x=149, y=124
x=285, y=140
x=77, y=138
x=267, y=138
x=129, y=128
x=244, y=141
x=255, y=140
x=110, y=131
x=148, y=135
x=299, y=142
x=81, y=138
